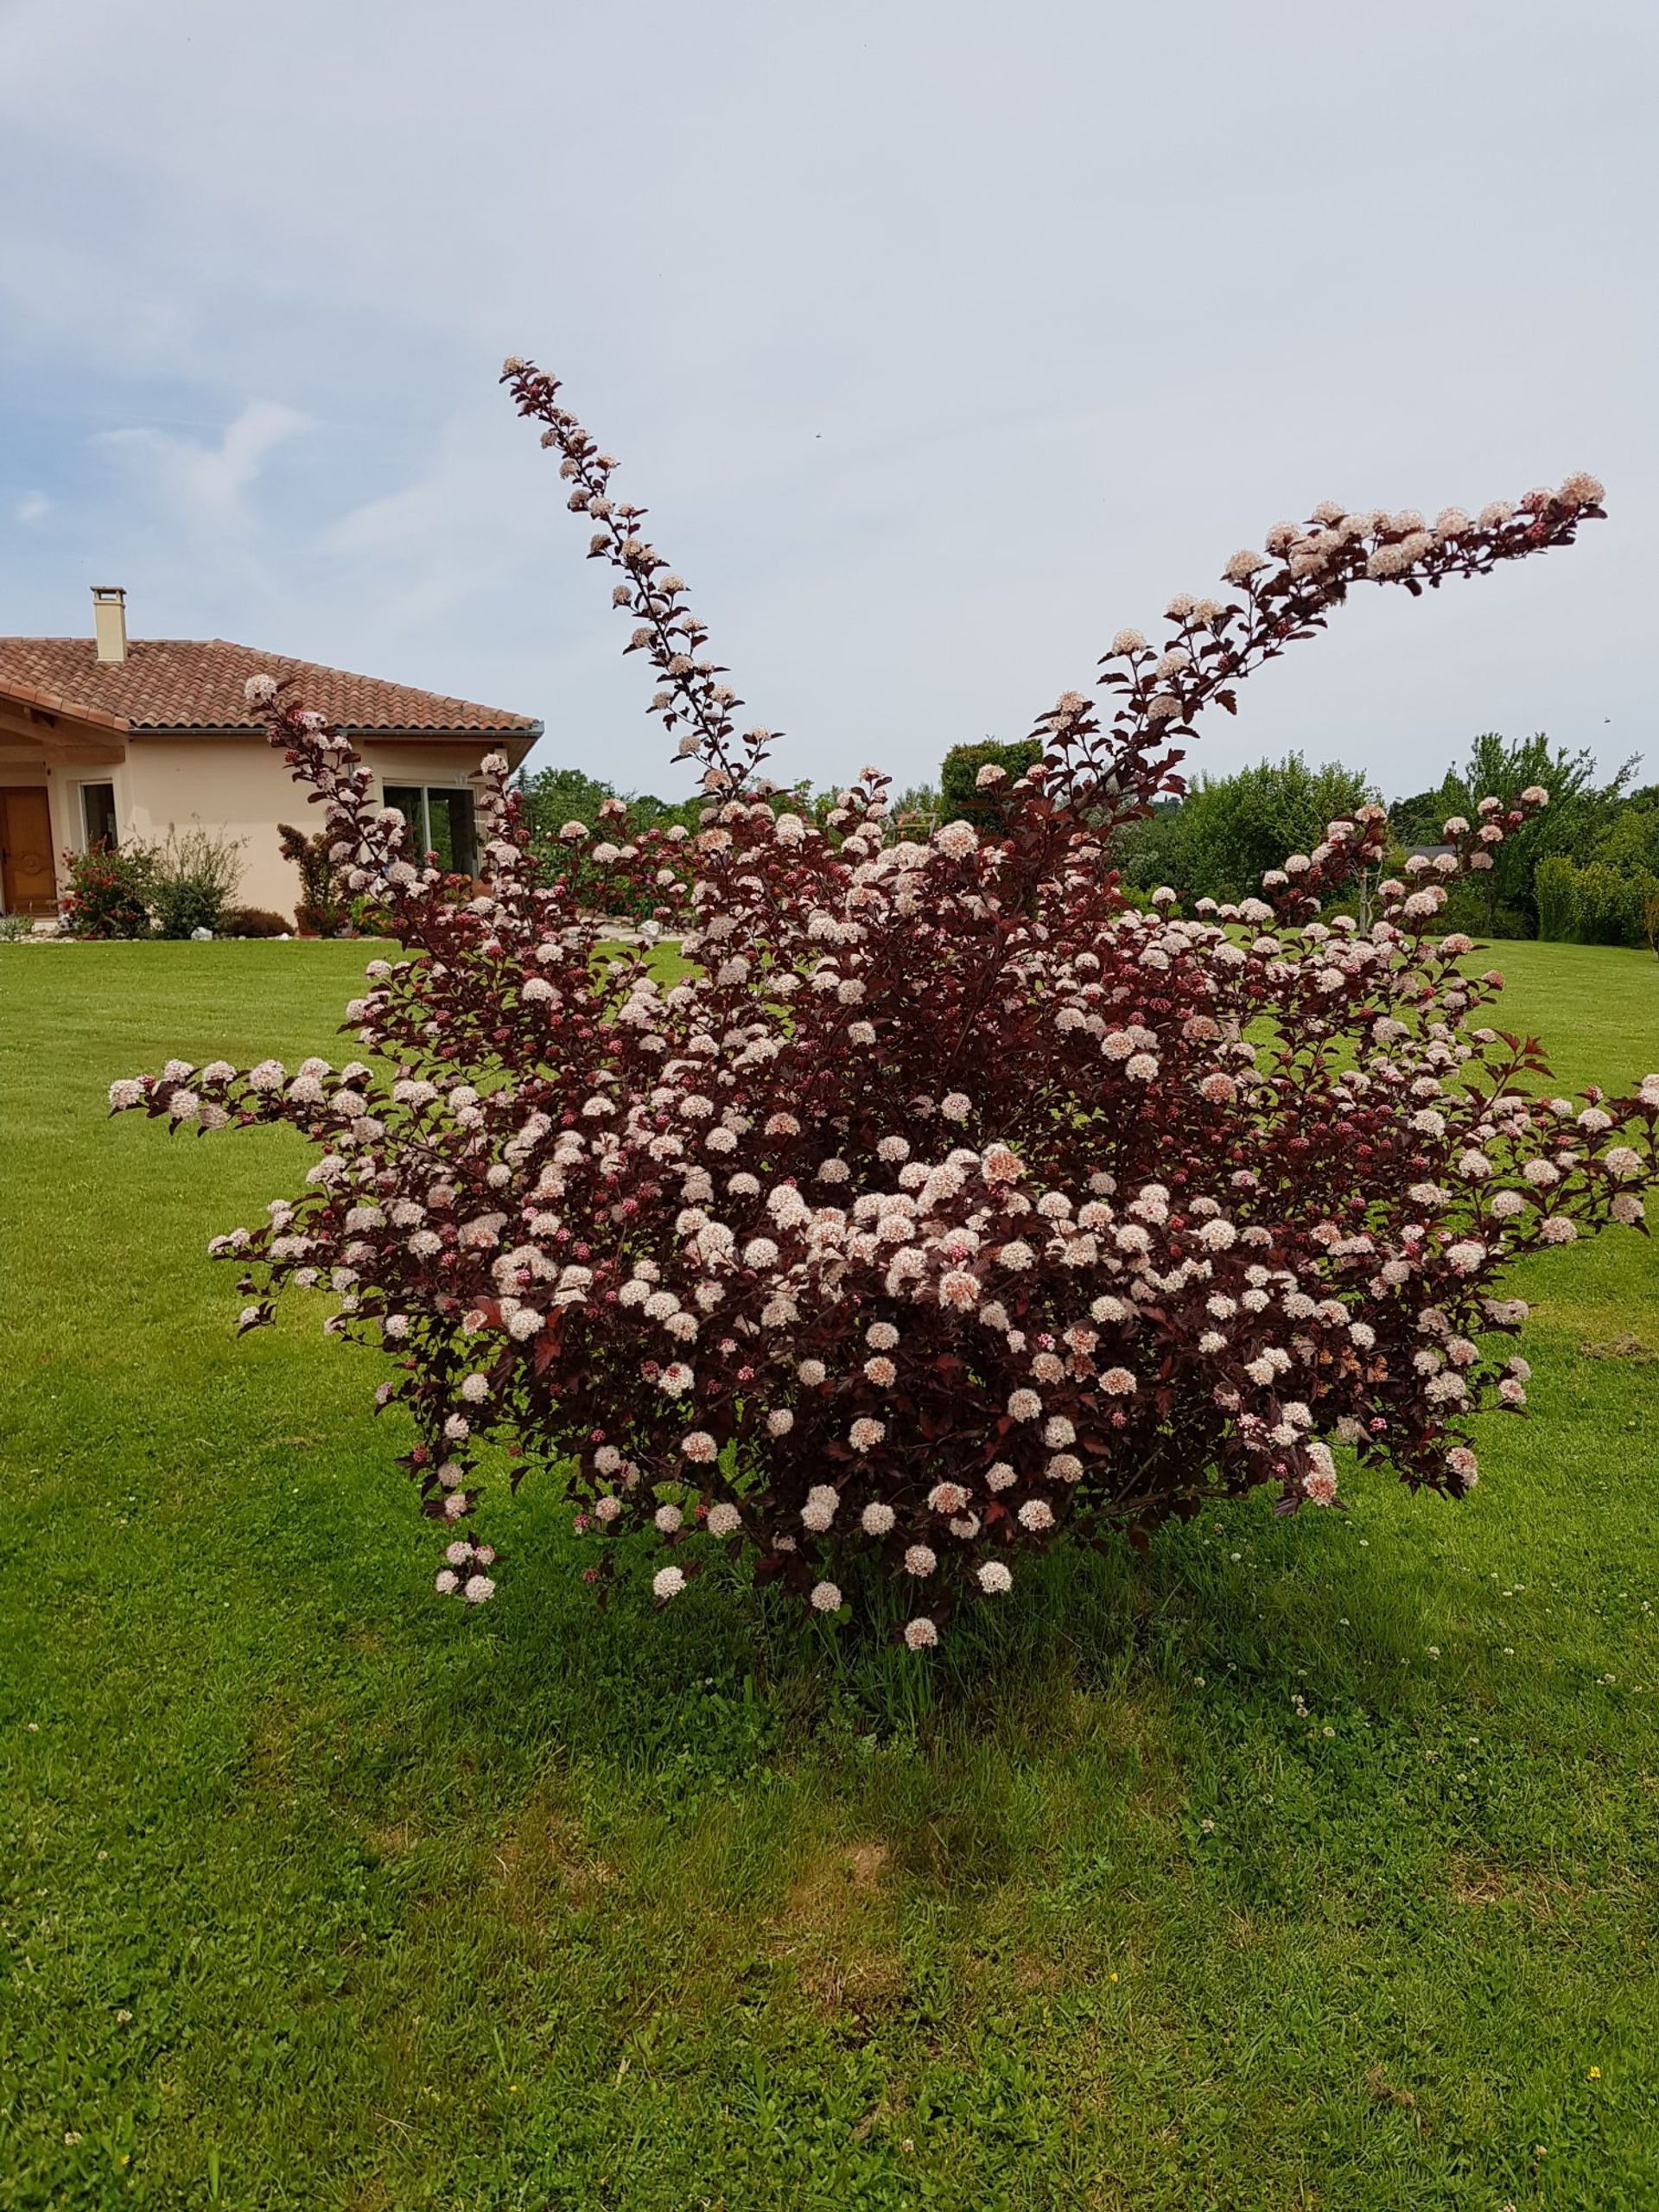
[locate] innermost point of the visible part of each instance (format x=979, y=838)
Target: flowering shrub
x=110, y=892
x=951, y=1203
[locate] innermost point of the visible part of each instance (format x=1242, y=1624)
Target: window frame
x=392, y=792
x=88, y=842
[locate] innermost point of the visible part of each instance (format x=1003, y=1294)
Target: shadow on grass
x=1103, y=1672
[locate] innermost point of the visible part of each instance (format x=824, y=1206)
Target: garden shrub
x=111, y=888
x=1553, y=887
x=1607, y=905
x=254, y=921
x=196, y=874
x=324, y=909
x=949, y=1207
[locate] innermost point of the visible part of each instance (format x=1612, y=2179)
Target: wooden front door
x=26, y=877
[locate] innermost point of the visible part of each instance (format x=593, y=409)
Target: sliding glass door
x=442, y=819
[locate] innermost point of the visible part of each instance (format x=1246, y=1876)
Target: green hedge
x=1597, y=904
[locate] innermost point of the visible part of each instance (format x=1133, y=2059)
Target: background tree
x=1612, y=897
x=1221, y=840
x=1581, y=811
x=960, y=798
x=918, y=808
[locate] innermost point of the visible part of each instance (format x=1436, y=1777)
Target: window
x=442, y=819
x=98, y=816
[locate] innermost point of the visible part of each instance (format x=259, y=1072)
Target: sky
x=941, y=342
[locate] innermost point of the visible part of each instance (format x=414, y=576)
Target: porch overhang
x=40, y=729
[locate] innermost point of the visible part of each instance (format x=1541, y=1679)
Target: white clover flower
x=826, y=1596
x=994, y=1578
x=666, y=1583
x=920, y=1634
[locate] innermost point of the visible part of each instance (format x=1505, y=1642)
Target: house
x=110, y=739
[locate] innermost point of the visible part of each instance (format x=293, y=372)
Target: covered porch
x=62, y=774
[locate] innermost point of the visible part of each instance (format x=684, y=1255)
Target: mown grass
x=317, y=1892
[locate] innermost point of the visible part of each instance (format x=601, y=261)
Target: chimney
x=110, y=621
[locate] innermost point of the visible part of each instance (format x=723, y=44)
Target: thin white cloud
x=34, y=507
x=203, y=484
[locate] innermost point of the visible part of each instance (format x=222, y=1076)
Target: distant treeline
x=1585, y=870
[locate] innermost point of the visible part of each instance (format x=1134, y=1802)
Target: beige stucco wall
x=239, y=786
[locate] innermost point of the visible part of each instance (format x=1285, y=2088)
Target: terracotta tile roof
x=188, y=683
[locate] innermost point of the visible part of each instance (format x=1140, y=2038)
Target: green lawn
x=319, y=1893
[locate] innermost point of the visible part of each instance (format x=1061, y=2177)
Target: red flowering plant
x=950, y=1204
x=111, y=891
